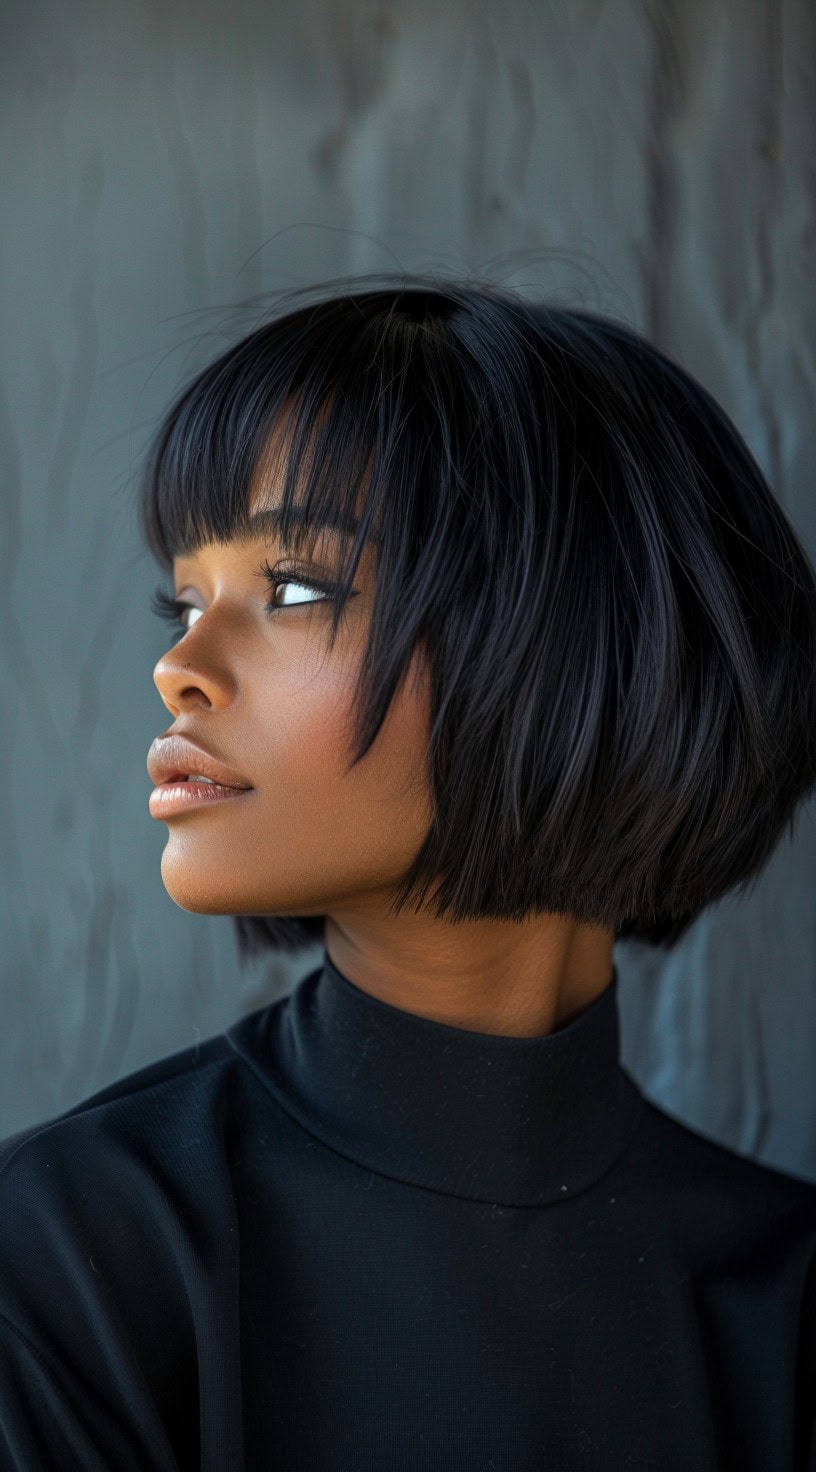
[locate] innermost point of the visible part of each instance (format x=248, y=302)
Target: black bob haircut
x=618, y=617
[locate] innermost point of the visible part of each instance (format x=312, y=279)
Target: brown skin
x=262, y=694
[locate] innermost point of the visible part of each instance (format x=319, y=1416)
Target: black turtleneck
x=341, y=1237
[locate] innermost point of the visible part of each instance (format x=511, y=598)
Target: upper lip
x=172, y=758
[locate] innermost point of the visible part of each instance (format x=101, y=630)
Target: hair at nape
x=619, y=619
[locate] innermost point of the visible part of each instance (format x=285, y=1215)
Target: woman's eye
x=279, y=583
x=315, y=591
x=184, y=615
x=171, y=609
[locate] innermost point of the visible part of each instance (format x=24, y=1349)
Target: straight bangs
x=617, y=619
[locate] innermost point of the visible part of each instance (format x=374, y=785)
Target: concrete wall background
x=160, y=164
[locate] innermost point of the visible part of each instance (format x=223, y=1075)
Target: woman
x=492, y=646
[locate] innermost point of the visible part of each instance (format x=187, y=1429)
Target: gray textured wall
x=163, y=162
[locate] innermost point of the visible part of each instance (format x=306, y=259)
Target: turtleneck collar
x=507, y=1120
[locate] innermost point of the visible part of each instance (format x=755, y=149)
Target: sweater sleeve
x=54, y=1416
x=806, y=1378
x=95, y=1369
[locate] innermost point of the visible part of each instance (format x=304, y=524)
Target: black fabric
x=341, y=1236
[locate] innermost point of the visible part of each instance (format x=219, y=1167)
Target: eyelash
x=172, y=609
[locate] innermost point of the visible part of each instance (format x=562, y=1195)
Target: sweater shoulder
x=710, y=1191
x=713, y=1156
x=132, y=1106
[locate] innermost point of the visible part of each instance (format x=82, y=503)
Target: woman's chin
x=194, y=889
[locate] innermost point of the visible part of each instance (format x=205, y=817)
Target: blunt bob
x=619, y=619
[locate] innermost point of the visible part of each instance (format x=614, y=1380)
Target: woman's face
x=261, y=693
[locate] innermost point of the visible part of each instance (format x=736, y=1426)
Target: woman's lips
x=173, y=757
x=173, y=797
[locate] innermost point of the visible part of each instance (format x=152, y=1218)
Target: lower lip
x=170, y=798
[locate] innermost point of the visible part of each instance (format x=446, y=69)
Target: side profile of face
x=261, y=692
